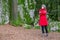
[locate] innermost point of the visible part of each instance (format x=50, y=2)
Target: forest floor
x=8, y=32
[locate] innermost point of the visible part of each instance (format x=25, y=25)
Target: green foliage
x=5, y=11
x=31, y=4
x=28, y=27
x=37, y=27
x=21, y=2
x=53, y=16
x=10, y=10
x=53, y=10
x=59, y=27
x=49, y=26
x=27, y=19
x=17, y=22
x=58, y=30
x=52, y=24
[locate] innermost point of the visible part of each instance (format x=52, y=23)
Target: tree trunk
x=14, y=9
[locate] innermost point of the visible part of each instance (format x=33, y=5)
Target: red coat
x=43, y=19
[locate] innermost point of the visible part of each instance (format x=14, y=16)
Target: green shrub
x=17, y=22
x=53, y=15
x=27, y=18
x=49, y=28
x=37, y=27
x=59, y=27
x=27, y=26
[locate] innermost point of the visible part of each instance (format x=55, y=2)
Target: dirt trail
x=8, y=32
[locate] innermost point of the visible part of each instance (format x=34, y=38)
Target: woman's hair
x=43, y=5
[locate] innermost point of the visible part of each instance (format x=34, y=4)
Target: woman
x=43, y=22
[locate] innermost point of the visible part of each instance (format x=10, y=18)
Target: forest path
x=8, y=32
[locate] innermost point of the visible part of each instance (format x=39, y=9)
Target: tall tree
x=14, y=9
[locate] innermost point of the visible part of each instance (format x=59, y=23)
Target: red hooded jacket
x=42, y=17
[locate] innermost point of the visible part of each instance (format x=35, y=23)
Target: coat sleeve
x=44, y=12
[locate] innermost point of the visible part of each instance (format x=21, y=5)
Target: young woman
x=43, y=22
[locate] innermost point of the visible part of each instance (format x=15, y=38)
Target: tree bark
x=14, y=9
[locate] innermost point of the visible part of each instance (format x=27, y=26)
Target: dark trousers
x=44, y=29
